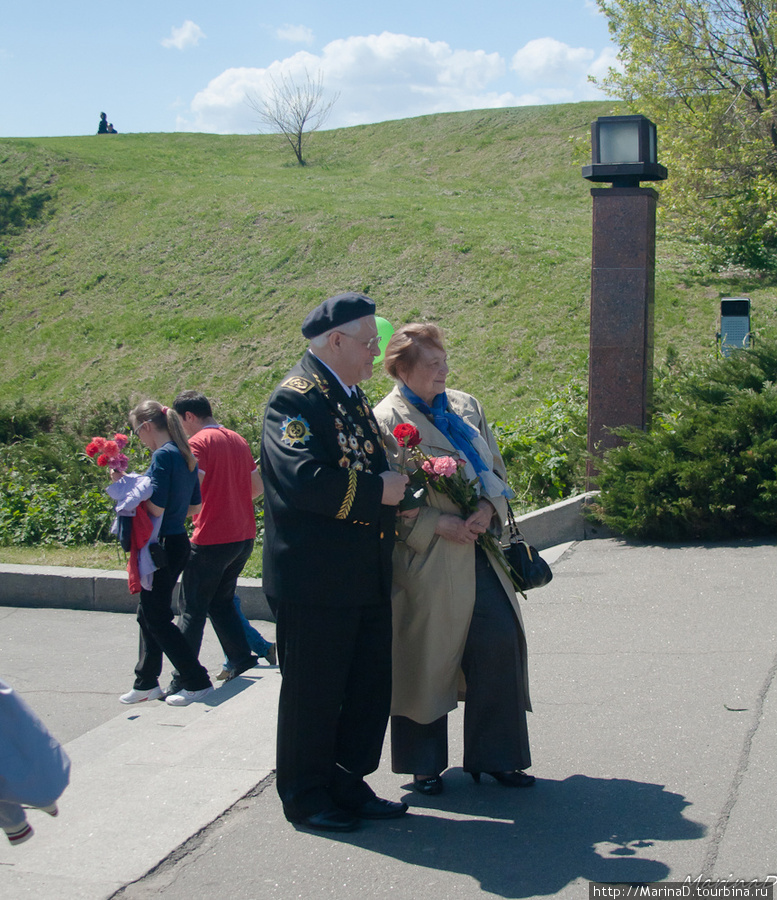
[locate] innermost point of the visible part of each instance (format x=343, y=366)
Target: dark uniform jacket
x=327, y=537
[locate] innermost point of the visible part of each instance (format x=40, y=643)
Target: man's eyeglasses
x=371, y=344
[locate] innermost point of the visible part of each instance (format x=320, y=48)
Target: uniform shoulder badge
x=298, y=383
x=295, y=431
x=323, y=385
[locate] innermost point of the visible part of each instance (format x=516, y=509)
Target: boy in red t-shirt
x=224, y=533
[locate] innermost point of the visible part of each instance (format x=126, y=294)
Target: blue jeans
x=256, y=642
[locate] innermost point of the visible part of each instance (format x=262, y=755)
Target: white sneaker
x=136, y=696
x=18, y=834
x=184, y=697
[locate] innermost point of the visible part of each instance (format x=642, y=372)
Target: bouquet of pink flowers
x=446, y=475
x=108, y=452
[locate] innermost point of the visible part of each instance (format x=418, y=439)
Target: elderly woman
x=454, y=608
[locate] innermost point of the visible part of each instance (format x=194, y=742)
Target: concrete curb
x=64, y=587
x=561, y=523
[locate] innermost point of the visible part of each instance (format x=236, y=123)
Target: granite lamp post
x=622, y=277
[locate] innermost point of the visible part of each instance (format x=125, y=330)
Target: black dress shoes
x=508, y=779
x=428, y=786
x=329, y=820
x=376, y=808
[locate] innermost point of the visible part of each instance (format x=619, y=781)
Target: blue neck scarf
x=458, y=432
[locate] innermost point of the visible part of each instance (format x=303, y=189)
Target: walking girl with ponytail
x=175, y=495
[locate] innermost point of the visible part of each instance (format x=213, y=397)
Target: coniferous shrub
x=707, y=468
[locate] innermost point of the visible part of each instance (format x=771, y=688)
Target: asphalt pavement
x=653, y=739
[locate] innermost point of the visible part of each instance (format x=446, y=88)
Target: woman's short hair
x=404, y=348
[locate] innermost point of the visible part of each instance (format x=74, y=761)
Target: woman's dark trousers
x=496, y=737
x=158, y=633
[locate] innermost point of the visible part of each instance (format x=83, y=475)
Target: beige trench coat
x=433, y=592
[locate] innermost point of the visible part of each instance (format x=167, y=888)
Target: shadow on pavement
x=535, y=841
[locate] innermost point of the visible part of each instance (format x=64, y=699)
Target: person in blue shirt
x=176, y=495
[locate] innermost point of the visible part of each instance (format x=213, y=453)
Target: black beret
x=337, y=311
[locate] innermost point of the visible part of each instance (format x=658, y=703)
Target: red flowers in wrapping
x=108, y=451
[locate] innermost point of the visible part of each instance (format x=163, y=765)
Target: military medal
x=295, y=431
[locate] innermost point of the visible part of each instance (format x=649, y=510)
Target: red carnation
x=91, y=449
x=99, y=442
x=407, y=435
x=103, y=459
x=111, y=449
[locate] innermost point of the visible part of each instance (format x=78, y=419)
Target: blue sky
x=186, y=65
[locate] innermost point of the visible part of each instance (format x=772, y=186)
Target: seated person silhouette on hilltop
x=105, y=127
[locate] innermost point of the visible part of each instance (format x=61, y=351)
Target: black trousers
x=496, y=736
x=334, y=703
x=208, y=591
x=158, y=633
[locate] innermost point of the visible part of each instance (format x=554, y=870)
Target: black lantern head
x=623, y=151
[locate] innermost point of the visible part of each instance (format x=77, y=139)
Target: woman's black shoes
x=428, y=786
x=508, y=779
x=434, y=785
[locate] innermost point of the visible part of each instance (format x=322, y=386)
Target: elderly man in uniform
x=330, y=501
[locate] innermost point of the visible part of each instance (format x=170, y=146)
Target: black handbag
x=529, y=569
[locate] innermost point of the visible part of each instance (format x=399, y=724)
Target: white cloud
x=378, y=77
x=296, y=34
x=549, y=60
x=607, y=59
x=559, y=73
x=392, y=76
x=188, y=35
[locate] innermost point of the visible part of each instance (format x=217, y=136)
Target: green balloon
x=385, y=330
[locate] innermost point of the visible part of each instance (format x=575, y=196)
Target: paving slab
x=652, y=680
x=142, y=783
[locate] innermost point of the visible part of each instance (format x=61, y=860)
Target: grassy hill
x=166, y=261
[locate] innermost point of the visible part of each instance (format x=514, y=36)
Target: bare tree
x=295, y=109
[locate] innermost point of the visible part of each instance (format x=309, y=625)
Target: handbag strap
x=515, y=534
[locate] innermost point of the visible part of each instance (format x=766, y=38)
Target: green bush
x=707, y=469
x=19, y=421
x=34, y=511
x=50, y=491
x=545, y=451
x=19, y=208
